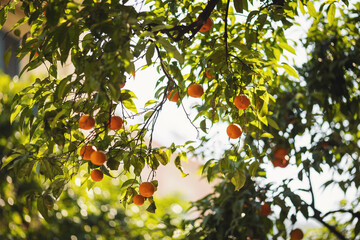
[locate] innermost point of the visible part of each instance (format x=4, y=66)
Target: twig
x=226, y=34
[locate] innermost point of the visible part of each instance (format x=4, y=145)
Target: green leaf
x=203, y=125
x=301, y=6
x=129, y=183
x=290, y=70
x=151, y=208
x=238, y=6
x=42, y=208
x=311, y=9
x=331, y=13
x=267, y=135
x=149, y=54
x=287, y=47
x=238, y=179
x=7, y=56
x=273, y=124
x=162, y=157
x=253, y=168
x=150, y=102
x=129, y=104
x=171, y=50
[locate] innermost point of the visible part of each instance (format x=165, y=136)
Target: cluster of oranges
x=89, y=152
x=146, y=190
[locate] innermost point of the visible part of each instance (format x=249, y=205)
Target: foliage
x=105, y=40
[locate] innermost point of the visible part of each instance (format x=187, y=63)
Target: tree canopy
x=237, y=53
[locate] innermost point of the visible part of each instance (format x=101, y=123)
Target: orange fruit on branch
x=233, y=131
x=242, y=101
x=195, y=90
x=174, y=97
x=265, y=209
x=146, y=189
x=207, y=25
x=96, y=175
x=281, y=157
x=115, y=123
x=208, y=75
x=86, y=122
x=138, y=199
x=296, y=234
x=98, y=158
x=122, y=85
x=86, y=151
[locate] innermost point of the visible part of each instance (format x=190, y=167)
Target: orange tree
x=238, y=52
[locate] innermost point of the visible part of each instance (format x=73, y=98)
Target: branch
x=193, y=27
x=354, y=214
x=226, y=34
x=317, y=213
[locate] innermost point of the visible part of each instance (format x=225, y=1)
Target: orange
x=138, y=199
x=296, y=234
x=146, y=189
x=86, y=151
x=242, y=101
x=173, y=98
x=207, y=26
x=122, y=85
x=233, y=131
x=195, y=90
x=208, y=75
x=115, y=123
x=265, y=209
x=281, y=157
x=98, y=158
x=96, y=175
x=86, y=122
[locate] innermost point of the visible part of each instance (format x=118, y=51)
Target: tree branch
x=226, y=34
x=317, y=213
x=193, y=27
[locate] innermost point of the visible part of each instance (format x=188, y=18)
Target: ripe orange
x=138, y=199
x=98, y=158
x=86, y=122
x=265, y=209
x=146, y=189
x=207, y=26
x=195, y=90
x=96, y=175
x=115, y=123
x=242, y=101
x=208, y=75
x=281, y=157
x=173, y=98
x=233, y=131
x=86, y=151
x=296, y=234
x=122, y=85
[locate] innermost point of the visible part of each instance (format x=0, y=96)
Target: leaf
x=301, y=6
x=238, y=179
x=267, y=135
x=287, y=47
x=272, y=123
x=253, y=168
x=311, y=9
x=150, y=102
x=203, y=125
x=331, y=13
x=35, y=109
x=290, y=70
x=238, y=6
x=129, y=104
x=171, y=50
x=149, y=54
x=42, y=208
x=151, y=208
x=162, y=157
x=7, y=56
x=129, y=183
